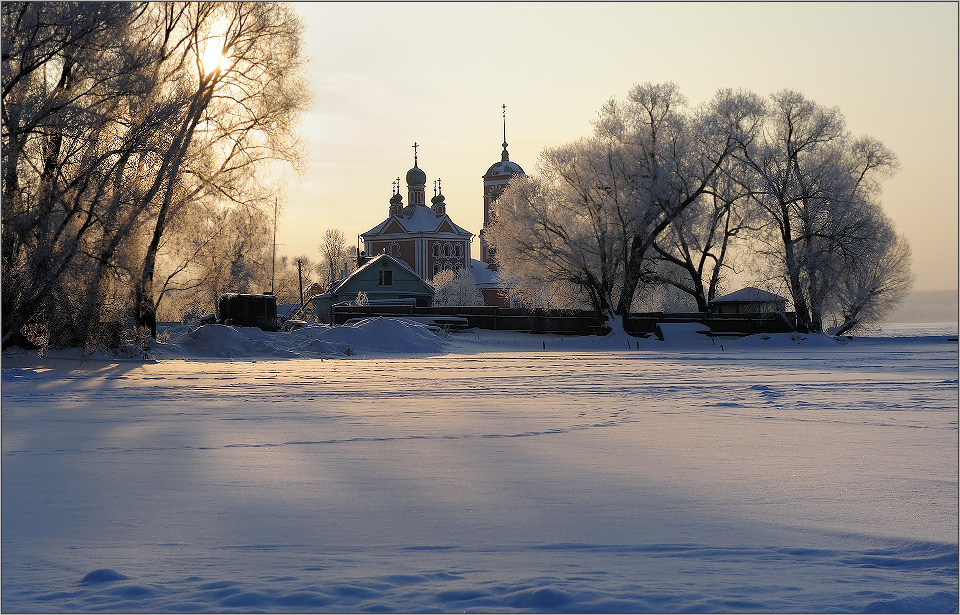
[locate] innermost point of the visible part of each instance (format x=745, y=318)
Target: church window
x=385, y=277
x=446, y=249
x=436, y=250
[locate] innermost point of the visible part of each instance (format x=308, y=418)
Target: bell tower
x=494, y=182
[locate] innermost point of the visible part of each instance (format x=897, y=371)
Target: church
x=426, y=238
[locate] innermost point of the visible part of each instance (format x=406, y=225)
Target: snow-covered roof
x=418, y=219
x=483, y=275
x=750, y=294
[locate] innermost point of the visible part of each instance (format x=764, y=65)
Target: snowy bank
x=376, y=337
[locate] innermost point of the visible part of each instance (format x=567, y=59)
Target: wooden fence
x=576, y=322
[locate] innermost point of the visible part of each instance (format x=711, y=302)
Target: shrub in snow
x=456, y=288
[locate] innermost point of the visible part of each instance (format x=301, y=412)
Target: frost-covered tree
x=456, y=288
x=118, y=119
x=238, y=67
x=819, y=188
x=69, y=71
x=229, y=251
x=873, y=286
x=551, y=231
x=592, y=215
x=696, y=252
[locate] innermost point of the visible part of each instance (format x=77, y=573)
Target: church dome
x=504, y=168
x=416, y=176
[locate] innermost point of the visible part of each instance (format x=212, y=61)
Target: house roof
x=418, y=219
x=369, y=264
x=749, y=294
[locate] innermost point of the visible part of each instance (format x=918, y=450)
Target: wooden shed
x=749, y=300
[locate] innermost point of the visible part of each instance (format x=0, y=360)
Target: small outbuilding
x=382, y=279
x=749, y=300
x=246, y=310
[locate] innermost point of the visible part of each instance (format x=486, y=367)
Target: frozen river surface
x=789, y=479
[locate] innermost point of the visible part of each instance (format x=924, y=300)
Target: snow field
x=774, y=475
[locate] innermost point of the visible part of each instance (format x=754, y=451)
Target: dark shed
x=242, y=310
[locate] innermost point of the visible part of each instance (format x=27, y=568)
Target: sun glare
x=213, y=57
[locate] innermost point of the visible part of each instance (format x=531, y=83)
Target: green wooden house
x=383, y=280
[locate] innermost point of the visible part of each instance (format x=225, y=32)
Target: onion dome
x=439, y=206
x=416, y=177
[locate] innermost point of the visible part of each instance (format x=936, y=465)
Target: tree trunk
x=145, y=311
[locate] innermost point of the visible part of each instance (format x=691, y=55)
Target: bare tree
x=563, y=225
x=333, y=257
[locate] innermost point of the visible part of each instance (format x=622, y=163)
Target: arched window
x=436, y=250
x=437, y=268
x=395, y=249
x=446, y=249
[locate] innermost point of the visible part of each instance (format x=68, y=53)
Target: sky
x=387, y=74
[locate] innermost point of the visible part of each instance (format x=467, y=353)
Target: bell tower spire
x=505, y=156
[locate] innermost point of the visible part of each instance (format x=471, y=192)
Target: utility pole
x=273, y=258
x=300, y=275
